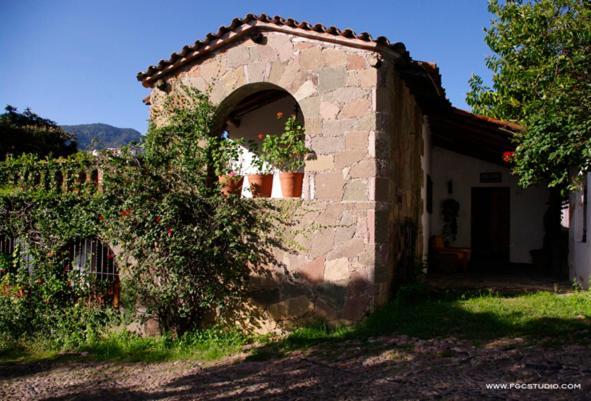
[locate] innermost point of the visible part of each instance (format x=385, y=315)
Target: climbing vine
x=185, y=251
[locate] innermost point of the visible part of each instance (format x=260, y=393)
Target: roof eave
x=396, y=52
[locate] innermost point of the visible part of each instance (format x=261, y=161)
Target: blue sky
x=76, y=61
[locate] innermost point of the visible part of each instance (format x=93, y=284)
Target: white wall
x=527, y=206
x=579, y=251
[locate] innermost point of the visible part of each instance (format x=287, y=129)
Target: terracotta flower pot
x=291, y=184
x=231, y=184
x=261, y=185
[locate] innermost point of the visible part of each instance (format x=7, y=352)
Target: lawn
x=416, y=312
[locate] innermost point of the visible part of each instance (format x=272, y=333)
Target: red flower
x=101, y=217
x=279, y=115
x=125, y=212
x=507, y=156
x=169, y=232
x=261, y=136
x=157, y=219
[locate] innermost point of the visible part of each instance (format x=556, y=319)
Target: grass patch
x=205, y=345
x=481, y=316
x=477, y=316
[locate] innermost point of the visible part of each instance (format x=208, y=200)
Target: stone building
x=388, y=148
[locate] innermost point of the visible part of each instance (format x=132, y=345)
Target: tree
x=541, y=79
x=27, y=132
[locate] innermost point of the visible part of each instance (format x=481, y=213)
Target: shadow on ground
x=419, y=347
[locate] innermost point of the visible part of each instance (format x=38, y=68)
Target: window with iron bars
x=89, y=256
x=92, y=257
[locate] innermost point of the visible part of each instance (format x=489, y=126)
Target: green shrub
x=186, y=250
x=192, y=248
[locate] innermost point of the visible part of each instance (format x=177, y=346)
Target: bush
x=187, y=249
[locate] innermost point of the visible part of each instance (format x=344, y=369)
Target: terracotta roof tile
x=507, y=125
x=178, y=59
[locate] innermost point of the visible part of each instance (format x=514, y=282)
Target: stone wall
x=347, y=214
x=400, y=178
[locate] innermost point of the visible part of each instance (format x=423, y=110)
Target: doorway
x=491, y=226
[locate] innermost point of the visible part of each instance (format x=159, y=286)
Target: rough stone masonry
x=362, y=192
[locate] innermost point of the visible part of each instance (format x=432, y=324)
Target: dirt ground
x=385, y=368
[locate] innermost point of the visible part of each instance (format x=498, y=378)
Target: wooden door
x=491, y=224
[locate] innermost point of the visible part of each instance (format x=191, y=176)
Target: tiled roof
x=423, y=78
x=263, y=22
x=503, y=124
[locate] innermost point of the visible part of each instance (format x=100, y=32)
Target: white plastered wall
x=527, y=206
x=579, y=250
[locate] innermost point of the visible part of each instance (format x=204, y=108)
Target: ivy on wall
x=185, y=251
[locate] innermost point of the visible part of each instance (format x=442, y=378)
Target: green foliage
x=40, y=295
x=261, y=159
x=541, y=79
x=286, y=151
x=186, y=254
x=207, y=344
x=226, y=156
x=29, y=172
x=26, y=132
x=191, y=247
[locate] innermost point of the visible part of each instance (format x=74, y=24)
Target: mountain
x=104, y=136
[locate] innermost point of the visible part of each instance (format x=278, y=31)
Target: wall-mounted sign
x=488, y=178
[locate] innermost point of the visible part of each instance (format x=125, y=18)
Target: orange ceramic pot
x=231, y=184
x=291, y=184
x=261, y=185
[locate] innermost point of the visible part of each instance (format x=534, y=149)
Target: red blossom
x=101, y=217
x=279, y=115
x=261, y=136
x=169, y=232
x=507, y=156
x=157, y=219
x=125, y=212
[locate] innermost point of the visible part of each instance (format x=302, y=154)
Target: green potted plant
x=286, y=152
x=261, y=182
x=227, y=156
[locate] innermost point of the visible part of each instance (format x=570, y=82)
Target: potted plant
x=286, y=152
x=261, y=182
x=227, y=155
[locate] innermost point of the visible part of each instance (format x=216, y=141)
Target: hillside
x=104, y=136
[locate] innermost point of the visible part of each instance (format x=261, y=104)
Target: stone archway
x=332, y=275
x=252, y=110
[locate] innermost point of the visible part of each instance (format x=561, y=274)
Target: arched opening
x=251, y=111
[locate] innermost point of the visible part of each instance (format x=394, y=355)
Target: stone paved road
x=389, y=368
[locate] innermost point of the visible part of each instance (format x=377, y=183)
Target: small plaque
x=488, y=178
